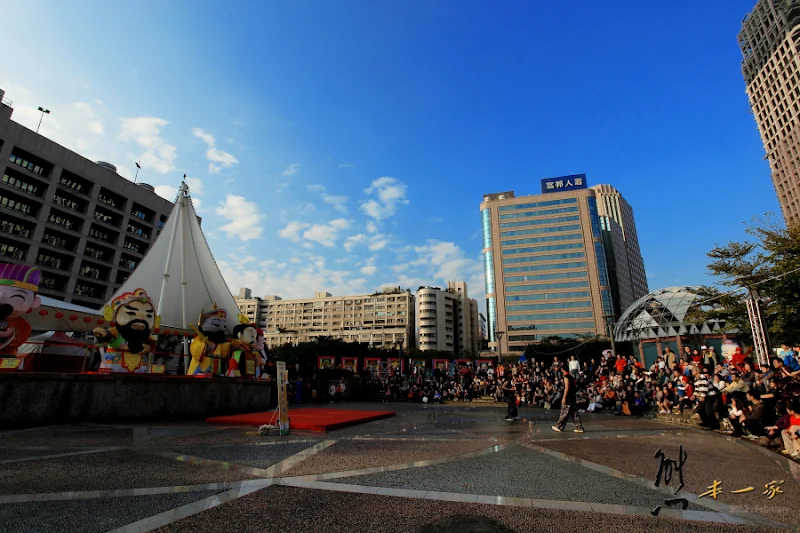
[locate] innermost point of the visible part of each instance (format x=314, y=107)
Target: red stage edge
x=306, y=418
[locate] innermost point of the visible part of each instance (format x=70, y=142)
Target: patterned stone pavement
x=395, y=475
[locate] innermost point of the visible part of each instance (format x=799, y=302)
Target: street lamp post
x=138, y=167
x=44, y=112
x=610, y=330
x=756, y=316
x=499, y=335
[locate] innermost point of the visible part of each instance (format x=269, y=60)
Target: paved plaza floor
x=428, y=464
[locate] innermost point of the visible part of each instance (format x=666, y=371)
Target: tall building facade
x=545, y=265
x=253, y=307
x=82, y=224
x=447, y=320
x=626, y=264
x=384, y=319
x=770, y=44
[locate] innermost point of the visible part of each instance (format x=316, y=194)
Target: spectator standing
x=574, y=366
x=669, y=358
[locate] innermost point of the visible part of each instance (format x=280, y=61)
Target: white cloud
x=372, y=227
x=369, y=270
x=316, y=188
x=244, y=218
x=168, y=192
x=291, y=170
x=158, y=154
x=292, y=231
x=309, y=276
x=218, y=159
x=353, y=241
x=338, y=202
x=389, y=193
x=446, y=261
x=195, y=186
x=326, y=234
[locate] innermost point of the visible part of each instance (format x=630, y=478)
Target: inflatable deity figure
x=210, y=349
x=19, y=285
x=244, y=356
x=128, y=343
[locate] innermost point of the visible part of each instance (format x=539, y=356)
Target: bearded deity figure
x=18, y=287
x=244, y=356
x=210, y=349
x=128, y=343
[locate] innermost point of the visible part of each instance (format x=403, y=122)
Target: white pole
x=183, y=286
x=165, y=277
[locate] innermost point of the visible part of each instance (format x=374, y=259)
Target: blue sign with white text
x=564, y=183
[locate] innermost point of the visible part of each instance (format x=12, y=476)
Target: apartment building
x=82, y=224
x=447, y=320
x=770, y=45
x=545, y=264
x=383, y=319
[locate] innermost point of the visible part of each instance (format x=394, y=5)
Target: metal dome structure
x=663, y=314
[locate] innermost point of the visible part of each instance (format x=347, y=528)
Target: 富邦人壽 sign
x=564, y=183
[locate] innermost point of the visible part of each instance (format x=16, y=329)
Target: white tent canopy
x=179, y=272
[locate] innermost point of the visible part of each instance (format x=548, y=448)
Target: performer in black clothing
x=511, y=398
x=569, y=407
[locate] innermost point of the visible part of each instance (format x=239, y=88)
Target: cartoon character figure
x=18, y=287
x=128, y=342
x=244, y=356
x=210, y=349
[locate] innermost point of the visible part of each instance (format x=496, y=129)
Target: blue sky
x=345, y=145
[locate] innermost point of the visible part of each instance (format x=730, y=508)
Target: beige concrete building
x=447, y=320
x=770, y=44
x=545, y=265
x=384, y=319
x=625, y=262
x=86, y=227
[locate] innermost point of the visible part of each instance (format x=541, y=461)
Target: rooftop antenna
x=138, y=167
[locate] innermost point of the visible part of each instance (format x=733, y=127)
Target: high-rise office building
x=625, y=262
x=770, y=44
x=85, y=226
x=447, y=320
x=383, y=319
x=545, y=264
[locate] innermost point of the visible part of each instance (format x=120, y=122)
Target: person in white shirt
x=574, y=366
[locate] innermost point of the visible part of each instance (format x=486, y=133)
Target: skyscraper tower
x=625, y=257
x=770, y=43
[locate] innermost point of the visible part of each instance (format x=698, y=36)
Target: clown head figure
x=18, y=287
x=247, y=335
x=134, y=316
x=212, y=324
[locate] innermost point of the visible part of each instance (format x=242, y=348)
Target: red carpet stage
x=305, y=418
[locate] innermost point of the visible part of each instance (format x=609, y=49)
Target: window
x=553, y=305
x=549, y=296
x=550, y=316
x=548, y=203
x=30, y=163
x=64, y=220
x=106, y=217
x=25, y=185
x=542, y=213
x=66, y=201
x=52, y=261
x=89, y=271
x=542, y=277
x=541, y=222
x=16, y=205
x=549, y=257
x=74, y=182
x=533, y=240
x=552, y=266
x=15, y=228
x=110, y=198
x=11, y=250
x=548, y=248
x=97, y=252
x=57, y=240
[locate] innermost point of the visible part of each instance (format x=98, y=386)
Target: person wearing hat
x=709, y=357
x=19, y=285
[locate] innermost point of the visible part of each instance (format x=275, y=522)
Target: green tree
x=768, y=261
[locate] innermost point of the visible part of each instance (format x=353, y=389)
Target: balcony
x=89, y=290
x=93, y=271
x=122, y=277
x=16, y=227
x=75, y=183
x=142, y=213
x=54, y=260
x=13, y=249
x=99, y=233
x=64, y=220
x=59, y=240
x=128, y=262
x=135, y=246
x=111, y=199
x=68, y=201
x=30, y=163
x=23, y=183
x=107, y=217
x=138, y=231
x=11, y=202
x=53, y=282
x=98, y=252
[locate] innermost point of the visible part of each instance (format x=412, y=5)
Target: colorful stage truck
x=396, y=366
x=372, y=365
x=326, y=361
x=418, y=365
x=350, y=363
x=440, y=364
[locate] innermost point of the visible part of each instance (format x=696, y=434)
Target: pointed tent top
x=179, y=271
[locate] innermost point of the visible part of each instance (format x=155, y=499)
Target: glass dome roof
x=663, y=314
